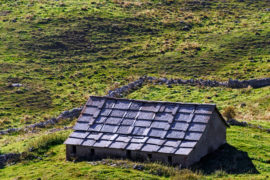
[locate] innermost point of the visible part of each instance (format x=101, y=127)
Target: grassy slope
x=227, y=164
x=257, y=101
x=252, y=141
x=249, y=140
x=63, y=51
x=55, y=167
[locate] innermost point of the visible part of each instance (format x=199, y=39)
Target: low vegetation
x=243, y=104
x=247, y=147
x=37, y=142
x=245, y=156
x=229, y=113
x=44, y=142
x=63, y=51
x=54, y=54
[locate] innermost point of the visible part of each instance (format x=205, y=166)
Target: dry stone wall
x=75, y=112
x=255, y=83
x=121, y=91
x=5, y=158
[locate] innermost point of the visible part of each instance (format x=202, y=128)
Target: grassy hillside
x=249, y=104
x=246, y=157
x=63, y=51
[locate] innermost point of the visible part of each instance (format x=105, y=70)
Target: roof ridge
x=152, y=101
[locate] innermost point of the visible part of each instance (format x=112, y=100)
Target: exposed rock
x=138, y=167
x=19, y=92
x=93, y=163
x=113, y=165
x=186, y=28
x=243, y=105
x=163, y=80
x=16, y=85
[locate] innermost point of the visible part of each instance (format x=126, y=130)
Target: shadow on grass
x=227, y=158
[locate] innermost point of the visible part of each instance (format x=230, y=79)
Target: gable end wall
x=213, y=137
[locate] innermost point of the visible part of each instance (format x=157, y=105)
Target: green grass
x=38, y=142
x=257, y=101
x=251, y=141
x=249, y=152
x=63, y=51
x=246, y=157
x=55, y=167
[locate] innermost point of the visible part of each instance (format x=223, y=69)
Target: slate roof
x=149, y=126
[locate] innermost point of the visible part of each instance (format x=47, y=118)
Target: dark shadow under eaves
x=227, y=158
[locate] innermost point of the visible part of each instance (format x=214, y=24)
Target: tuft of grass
x=219, y=174
x=187, y=174
x=229, y=112
x=44, y=142
x=4, y=121
x=159, y=169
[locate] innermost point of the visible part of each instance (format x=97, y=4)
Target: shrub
x=229, y=112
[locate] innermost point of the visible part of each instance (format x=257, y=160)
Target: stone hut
x=173, y=133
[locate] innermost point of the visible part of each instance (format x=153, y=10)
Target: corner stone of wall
x=5, y=158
